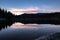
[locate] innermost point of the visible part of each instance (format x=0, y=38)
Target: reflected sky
x=20, y=25
x=22, y=5
x=19, y=31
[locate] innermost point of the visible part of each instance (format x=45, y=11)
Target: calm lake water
x=19, y=31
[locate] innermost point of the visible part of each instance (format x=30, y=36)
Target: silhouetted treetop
x=5, y=14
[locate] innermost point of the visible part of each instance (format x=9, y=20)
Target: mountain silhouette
x=40, y=18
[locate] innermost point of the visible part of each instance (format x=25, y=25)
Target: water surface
x=19, y=31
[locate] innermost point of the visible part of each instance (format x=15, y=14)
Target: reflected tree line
x=7, y=18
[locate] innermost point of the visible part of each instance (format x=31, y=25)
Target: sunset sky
x=21, y=6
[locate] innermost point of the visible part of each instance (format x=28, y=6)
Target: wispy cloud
x=44, y=9
x=49, y=9
x=21, y=11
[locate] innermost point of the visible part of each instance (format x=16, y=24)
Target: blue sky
x=45, y=5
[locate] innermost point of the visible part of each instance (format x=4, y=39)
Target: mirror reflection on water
x=19, y=31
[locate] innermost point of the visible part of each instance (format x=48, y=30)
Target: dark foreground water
x=18, y=31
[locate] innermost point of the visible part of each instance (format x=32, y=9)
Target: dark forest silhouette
x=7, y=18
x=40, y=18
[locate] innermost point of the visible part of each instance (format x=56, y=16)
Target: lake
x=19, y=31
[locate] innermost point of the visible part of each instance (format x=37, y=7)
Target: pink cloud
x=21, y=11
x=44, y=9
